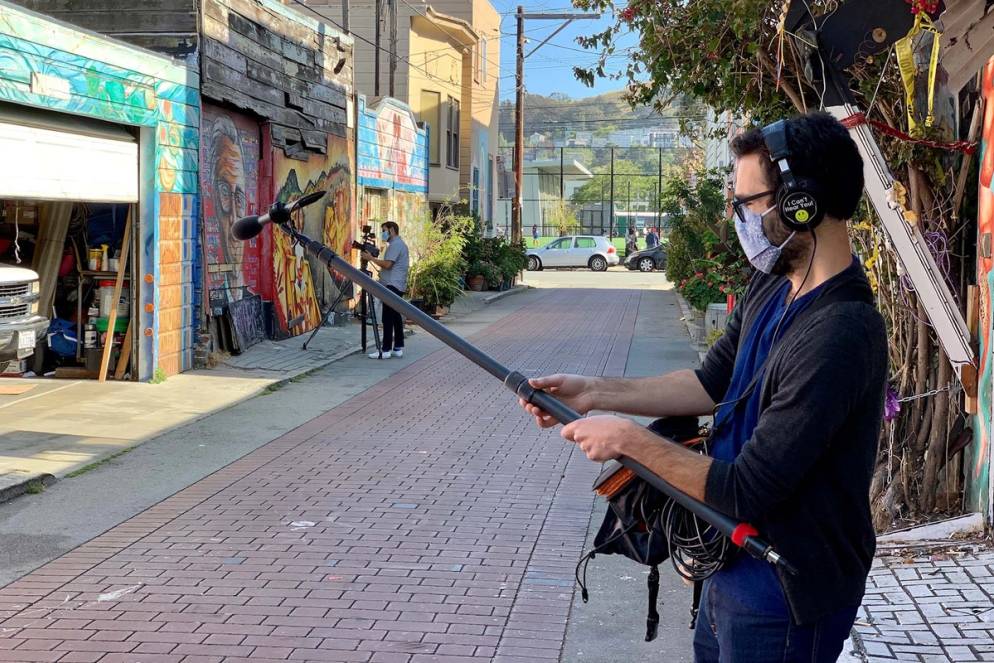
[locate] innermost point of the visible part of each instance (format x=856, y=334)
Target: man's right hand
x=573, y=390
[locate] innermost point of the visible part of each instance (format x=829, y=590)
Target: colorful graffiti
x=296, y=278
x=978, y=475
x=408, y=207
x=392, y=150
x=229, y=182
x=50, y=65
x=393, y=163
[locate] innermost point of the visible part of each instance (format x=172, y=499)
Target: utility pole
x=659, y=196
x=610, y=218
x=519, y=109
x=628, y=211
x=519, y=130
x=378, y=16
x=393, y=44
x=345, y=16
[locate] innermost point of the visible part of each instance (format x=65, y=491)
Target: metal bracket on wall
x=930, y=286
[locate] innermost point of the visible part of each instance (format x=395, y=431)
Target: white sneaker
x=376, y=355
x=398, y=353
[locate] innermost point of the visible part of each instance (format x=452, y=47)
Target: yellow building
x=448, y=72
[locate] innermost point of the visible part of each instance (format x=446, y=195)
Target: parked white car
x=591, y=251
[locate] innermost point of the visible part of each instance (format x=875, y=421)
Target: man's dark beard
x=794, y=254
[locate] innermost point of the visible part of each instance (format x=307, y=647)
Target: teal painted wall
x=119, y=83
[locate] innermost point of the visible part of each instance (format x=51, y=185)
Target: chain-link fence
x=588, y=190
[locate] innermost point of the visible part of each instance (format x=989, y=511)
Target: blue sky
x=551, y=68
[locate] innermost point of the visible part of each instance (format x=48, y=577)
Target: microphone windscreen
x=246, y=228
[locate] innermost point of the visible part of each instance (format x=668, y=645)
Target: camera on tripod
x=368, y=243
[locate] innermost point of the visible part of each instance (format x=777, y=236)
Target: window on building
x=475, y=205
x=431, y=109
x=452, y=135
x=490, y=188
x=481, y=62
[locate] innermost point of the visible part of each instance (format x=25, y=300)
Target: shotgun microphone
x=249, y=226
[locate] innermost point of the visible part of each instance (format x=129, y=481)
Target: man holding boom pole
x=796, y=386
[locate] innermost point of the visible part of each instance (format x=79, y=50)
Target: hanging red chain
x=857, y=119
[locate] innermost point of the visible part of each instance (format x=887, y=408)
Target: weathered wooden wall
x=280, y=64
x=167, y=26
x=258, y=55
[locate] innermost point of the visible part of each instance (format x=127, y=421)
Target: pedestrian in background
x=534, y=235
x=631, y=241
x=651, y=239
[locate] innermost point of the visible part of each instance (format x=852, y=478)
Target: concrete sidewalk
x=59, y=428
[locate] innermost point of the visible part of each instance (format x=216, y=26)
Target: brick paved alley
x=423, y=520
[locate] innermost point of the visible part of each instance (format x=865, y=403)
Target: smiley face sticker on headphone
x=797, y=197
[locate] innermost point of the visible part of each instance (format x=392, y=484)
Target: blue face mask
x=762, y=253
x=385, y=235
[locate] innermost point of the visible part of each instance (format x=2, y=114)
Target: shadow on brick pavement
x=415, y=522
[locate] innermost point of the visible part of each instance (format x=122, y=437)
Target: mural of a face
x=229, y=185
x=229, y=193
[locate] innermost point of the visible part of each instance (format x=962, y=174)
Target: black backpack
x=631, y=525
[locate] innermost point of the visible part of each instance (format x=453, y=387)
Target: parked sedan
x=591, y=251
x=647, y=260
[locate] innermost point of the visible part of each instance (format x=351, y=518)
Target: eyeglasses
x=739, y=203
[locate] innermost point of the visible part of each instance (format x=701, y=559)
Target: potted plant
x=436, y=283
x=511, y=261
x=476, y=276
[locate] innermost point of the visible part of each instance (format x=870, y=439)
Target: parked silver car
x=591, y=251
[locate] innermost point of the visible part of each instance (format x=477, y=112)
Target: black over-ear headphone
x=798, y=198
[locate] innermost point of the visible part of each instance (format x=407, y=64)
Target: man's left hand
x=601, y=437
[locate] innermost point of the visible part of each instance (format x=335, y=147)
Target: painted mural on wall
x=393, y=152
x=978, y=469
x=408, y=207
x=229, y=181
x=50, y=65
x=392, y=164
x=300, y=284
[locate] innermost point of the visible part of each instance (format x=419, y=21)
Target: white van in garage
x=21, y=325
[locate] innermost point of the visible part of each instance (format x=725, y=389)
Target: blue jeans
x=744, y=618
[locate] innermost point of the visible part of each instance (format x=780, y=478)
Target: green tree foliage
x=642, y=178
x=728, y=54
x=704, y=259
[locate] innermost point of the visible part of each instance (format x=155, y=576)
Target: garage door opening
x=68, y=234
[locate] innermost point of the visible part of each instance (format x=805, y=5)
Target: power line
x=371, y=43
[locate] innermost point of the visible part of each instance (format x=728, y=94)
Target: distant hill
x=558, y=117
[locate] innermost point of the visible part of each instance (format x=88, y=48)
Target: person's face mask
x=385, y=235
x=762, y=253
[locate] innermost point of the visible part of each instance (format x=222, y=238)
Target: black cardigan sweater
x=803, y=478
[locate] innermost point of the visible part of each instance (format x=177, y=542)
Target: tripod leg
x=362, y=317
x=376, y=329
x=327, y=314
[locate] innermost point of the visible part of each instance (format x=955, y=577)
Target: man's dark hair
x=821, y=150
x=391, y=226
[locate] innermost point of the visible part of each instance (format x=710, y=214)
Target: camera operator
x=797, y=386
x=393, y=266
